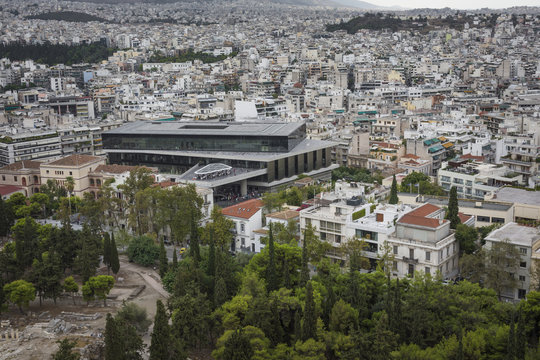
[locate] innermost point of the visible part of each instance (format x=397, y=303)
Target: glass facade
x=193, y=142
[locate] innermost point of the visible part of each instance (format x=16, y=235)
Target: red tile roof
x=25, y=164
x=75, y=160
x=464, y=218
x=9, y=189
x=421, y=221
x=411, y=156
x=472, y=157
x=425, y=210
x=244, y=209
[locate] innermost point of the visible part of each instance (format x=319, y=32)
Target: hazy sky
x=457, y=4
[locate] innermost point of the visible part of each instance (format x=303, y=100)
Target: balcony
x=410, y=260
x=517, y=162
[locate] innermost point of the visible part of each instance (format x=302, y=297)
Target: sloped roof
x=244, y=210
x=75, y=160
x=421, y=221
x=25, y=164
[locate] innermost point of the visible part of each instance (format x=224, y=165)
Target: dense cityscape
x=291, y=179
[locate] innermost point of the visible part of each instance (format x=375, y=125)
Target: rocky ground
x=34, y=334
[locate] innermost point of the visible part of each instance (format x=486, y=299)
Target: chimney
x=380, y=217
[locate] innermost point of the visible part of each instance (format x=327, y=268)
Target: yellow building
x=77, y=166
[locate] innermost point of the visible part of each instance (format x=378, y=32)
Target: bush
x=143, y=250
x=134, y=315
x=359, y=214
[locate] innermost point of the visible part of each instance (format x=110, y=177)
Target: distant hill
x=71, y=16
x=337, y=3
x=378, y=21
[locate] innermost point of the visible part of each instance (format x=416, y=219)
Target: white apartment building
x=525, y=239
x=424, y=242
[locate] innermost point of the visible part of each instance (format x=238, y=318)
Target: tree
x=219, y=229
x=26, y=241
x=220, y=291
x=87, y=260
x=115, y=262
x=107, y=251
x=20, y=293
x=100, y=286
x=466, y=237
x=70, y=186
x=70, y=286
x=65, y=350
x=6, y=217
x=309, y=321
x=135, y=316
x=238, y=347
x=194, y=241
x=354, y=249
x=174, y=260
x=121, y=340
x=272, y=275
x=272, y=201
x=304, y=270
x=163, y=346
x=393, y=192
x=191, y=318
x=163, y=261
x=46, y=274
x=343, y=317
x=143, y=250
x=453, y=208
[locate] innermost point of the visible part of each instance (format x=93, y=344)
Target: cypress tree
x=107, y=251
x=211, y=269
x=174, y=260
x=113, y=344
x=304, y=270
x=460, y=355
x=297, y=325
x=511, y=347
x=194, y=242
x=286, y=275
x=521, y=340
x=271, y=270
x=453, y=208
x=329, y=302
x=163, y=262
x=220, y=291
x=393, y=192
x=276, y=330
x=115, y=262
x=309, y=321
x=159, y=347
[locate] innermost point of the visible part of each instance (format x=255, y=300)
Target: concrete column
x=243, y=187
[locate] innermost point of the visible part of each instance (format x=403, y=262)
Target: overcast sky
x=457, y=4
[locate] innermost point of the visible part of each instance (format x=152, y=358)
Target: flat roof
x=465, y=203
x=518, y=196
x=206, y=128
x=515, y=234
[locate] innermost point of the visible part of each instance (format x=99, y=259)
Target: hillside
x=71, y=16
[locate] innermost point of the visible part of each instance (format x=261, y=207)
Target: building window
x=4, y=177
x=523, y=264
x=14, y=178
x=482, y=218
x=522, y=293
x=427, y=270
x=47, y=171
x=394, y=266
x=411, y=253
x=521, y=278
x=411, y=270
x=497, y=220
x=523, y=251
x=428, y=256
x=70, y=173
x=242, y=227
x=395, y=250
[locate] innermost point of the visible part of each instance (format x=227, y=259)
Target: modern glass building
x=263, y=155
